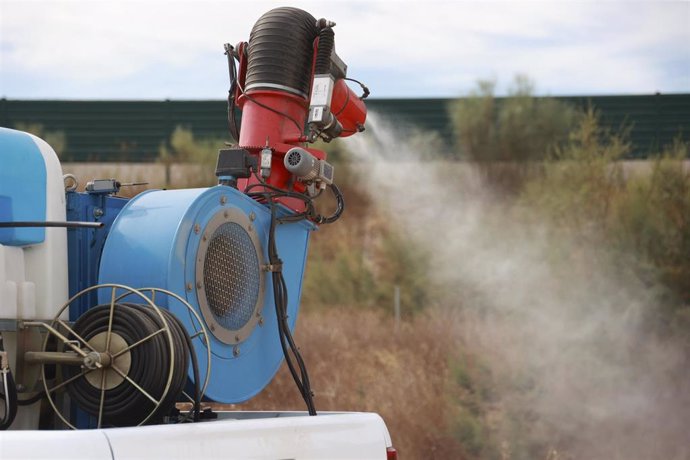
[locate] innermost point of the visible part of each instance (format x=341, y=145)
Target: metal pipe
x=53, y=357
x=51, y=224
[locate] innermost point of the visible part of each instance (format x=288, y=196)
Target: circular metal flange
x=123, y=361
x=228, y=276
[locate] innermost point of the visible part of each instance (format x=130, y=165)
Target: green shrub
x=653, y=220
x=517, y=128
x=183, y=147
x=504, y=137
x=643, y=220
x=582, y=178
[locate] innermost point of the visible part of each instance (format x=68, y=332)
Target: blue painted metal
x=22, y=187
x=152, y=243
x=84, y=245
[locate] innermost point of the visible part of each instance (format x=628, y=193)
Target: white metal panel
x=328, y=436
x=11, y=274
x=46, y=263
x=54, y=445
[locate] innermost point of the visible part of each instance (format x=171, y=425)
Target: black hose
x=323, y=55
x=268, y=194
x=281, y=50
x=125, y=405
x=340, y=200
x=9, y=392
x=232, y=74
x=310, y=211
x=280, y=294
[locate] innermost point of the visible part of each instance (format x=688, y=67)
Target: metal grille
x=231, y=276
x=294, y=158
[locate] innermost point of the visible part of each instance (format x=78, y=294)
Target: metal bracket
x=272, y=267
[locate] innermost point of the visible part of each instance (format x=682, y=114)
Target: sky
x=149, y=49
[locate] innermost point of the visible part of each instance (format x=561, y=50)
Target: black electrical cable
x=149, y=368
x=340, y=200
x=232, y=70
x=32, y=400
x=196, y=407
x=9, y=389
x=280, y=293
x=269, y=194
x=28, y=401
x=310, y=211
x=281, y=299
x=365, y=89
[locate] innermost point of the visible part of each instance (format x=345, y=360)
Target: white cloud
x=441, y=46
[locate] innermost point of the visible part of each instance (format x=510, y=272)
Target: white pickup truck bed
x=234, y=435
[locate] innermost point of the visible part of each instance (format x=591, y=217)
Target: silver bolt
x=197, y=228
x=261, y=320
x=252, y=216
x=236, y=350
x=98, y=212
x=223, y=199
x=189, y=286
x=92, y=360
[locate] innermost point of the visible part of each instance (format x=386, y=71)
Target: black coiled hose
x=323, y=56
x=281, y=50
x=125, y=405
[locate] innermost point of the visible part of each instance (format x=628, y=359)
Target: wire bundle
x=269, y=194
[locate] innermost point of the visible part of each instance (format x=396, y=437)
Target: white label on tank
x=321, y=91
x=316, y=114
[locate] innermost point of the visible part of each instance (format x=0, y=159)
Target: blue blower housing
x=209, y=246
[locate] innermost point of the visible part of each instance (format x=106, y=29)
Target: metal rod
x=135, y=385
x=194, y=336
x=51, y=224
x=71, y=331
x=67, y=382
x=102, y=402
x=57, y=334
x=53, y=357
x=110, y=323
x=139, y=342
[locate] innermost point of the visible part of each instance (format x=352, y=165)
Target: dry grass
x=358, y=362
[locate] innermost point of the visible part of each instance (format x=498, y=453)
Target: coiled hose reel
x=124, y=362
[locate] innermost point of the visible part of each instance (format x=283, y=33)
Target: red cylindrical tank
x=348, y=108
x=271, y=117
x=274, y=119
